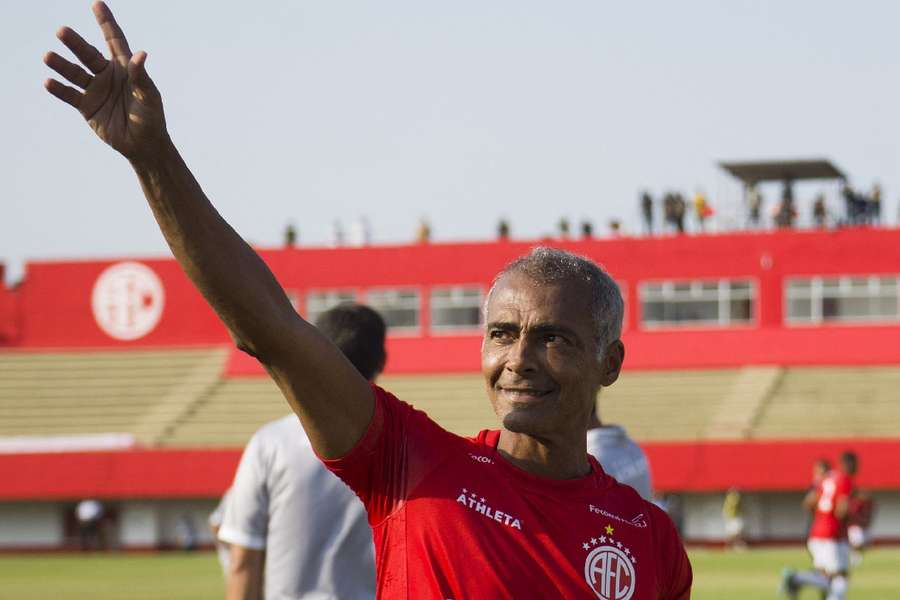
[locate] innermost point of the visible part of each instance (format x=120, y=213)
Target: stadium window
x=454, y=308
x=320, y=301
x=398, y=307
x=718, y=302
x=847, y=299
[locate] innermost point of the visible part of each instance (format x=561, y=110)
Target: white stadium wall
x=775, y=517
x=147, y=524
x=31, y=525
x=159, y=524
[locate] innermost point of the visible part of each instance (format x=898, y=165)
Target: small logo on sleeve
x=473, y=501
x=609, y=568
x=480, y=458
x=637, y=521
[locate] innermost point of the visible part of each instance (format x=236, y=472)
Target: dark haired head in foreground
x=359, y=333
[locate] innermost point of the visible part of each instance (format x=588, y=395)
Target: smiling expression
x=539, y=356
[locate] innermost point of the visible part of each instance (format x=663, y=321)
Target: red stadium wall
x=8, y=313
x=55, y=310
x=762, y=466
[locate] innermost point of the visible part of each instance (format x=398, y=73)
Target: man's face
x=539, y=356
x=848, y=466
x=819, y=472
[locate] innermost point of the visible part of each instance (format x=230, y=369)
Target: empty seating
x=833, y=402
x=666, y=405
x=93, y=392
x=652, y=405
x=178, y=398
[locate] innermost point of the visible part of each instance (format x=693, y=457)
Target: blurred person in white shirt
x=294, y=529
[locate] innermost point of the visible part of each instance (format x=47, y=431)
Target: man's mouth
x=522, y=394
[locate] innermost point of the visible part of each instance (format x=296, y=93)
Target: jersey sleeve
x=215, y=517
x=676, y=575
x=246, y=516
x=383, y=464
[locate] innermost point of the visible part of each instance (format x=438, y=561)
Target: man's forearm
x=230, y=275
x=245, y=574
x=337, y=402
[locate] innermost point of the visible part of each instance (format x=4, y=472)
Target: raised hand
x=119, y=101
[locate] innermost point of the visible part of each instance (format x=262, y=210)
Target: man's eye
x=553, y=339
x=499, y=334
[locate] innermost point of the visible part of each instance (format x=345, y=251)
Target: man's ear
x=611, y=363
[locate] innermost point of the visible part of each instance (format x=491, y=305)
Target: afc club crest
x=127, y=300
x=609, y=567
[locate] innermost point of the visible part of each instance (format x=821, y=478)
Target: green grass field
x=718, y=575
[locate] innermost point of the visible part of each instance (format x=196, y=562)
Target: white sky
x=460, y=111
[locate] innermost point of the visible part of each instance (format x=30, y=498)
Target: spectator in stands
x=786, y=214
x=875, y=205
x=820, y=211
x=855, y=206
x=733, y=515
x=503, y=230
x=290, y=517
x=647, y=211
x=615, y=228
x=679, y=208
x=669, y=212
x=619, y=456
x=563, y=228
x=754, y=205
x=290, y=236
x=423, y=231
x=702, y=209
x=587, y=230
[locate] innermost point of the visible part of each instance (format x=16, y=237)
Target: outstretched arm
x=122, y=105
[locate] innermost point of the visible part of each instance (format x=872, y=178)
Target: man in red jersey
x=829, y=502
x=518, y=512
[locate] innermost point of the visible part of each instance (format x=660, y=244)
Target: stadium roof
x=793, y=170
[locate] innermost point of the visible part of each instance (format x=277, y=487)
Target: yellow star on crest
x=609, y=530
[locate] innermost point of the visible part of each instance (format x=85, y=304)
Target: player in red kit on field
x=519, y=512
x=830, y=503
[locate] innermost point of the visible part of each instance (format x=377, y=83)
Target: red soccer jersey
x=860, y=513
x=452, y=519
x=836, y=486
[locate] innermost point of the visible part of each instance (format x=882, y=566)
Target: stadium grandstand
x=749, y=355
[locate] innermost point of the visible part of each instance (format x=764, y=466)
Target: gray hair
x=551, y=265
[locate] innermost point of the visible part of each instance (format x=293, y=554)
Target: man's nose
x=521, y=357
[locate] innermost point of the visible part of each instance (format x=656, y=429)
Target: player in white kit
x=286, y=511
x=620, y=456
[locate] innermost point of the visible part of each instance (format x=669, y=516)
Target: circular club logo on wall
x=127, y=300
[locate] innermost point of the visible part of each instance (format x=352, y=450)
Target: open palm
x=119, y=100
